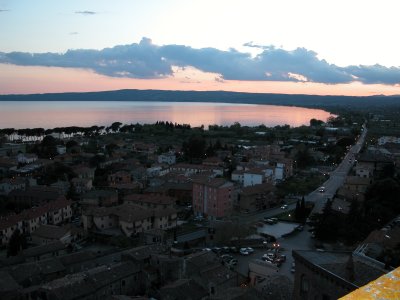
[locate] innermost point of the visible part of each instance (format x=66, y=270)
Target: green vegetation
x=301, y=184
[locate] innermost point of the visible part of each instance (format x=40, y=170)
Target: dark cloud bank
x=147, y=60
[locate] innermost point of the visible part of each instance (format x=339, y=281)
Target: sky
x=341, y=47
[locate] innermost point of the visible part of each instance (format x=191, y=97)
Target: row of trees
x=380, y=206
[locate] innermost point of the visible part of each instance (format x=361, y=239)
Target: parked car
x=226, y=257
x=243, y=251
x=226, y=249
x=234, y=250
x=216, y=250
x=250, y=250
x=233, y=262
x=269, y=221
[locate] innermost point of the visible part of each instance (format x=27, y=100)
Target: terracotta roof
x=130, y=212
x=51, y=232
x=213, y=182
x=149, y=198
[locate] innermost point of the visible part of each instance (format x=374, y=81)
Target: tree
x=315, y=122
x=297, y=211
x=16, y=244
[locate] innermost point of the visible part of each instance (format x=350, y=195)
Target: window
x=304, y=284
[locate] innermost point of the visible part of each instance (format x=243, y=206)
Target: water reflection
x=27, y=114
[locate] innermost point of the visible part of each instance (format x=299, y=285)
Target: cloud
x=375, y=74
x=147, y=60
x=86, y=12
x=74, y=33
x=4, y=10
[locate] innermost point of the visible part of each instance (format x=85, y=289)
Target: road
x=335, y=181
x=337, y=177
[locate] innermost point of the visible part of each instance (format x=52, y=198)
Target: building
x=26, y=158
x=128, y=219
x=167, y=158
x=119, y=177
x=35, y=195
x=150, y=200
x=9, y=184
x=96, y=283
x=56, y=212
x=331, y=275
x=388, y=139
x=253, y=177
x=100, y=198
x=257, y=197
x=47, y=234
x=82, y=185
x=213, y=197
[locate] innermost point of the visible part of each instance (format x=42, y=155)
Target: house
x=9, y=184
x=184, y=289
x=238, y=176
x=388, y=139
x=364, y=170
x=61, y=149
x=84, y=172
x=213, y=161
x=55, y=212
x=253, y=176
x=119, y=177
x=10, y=149
x=47, y=234
x=261, y=270
x=167, y=158
x=213, y=197
x=181, y=191
x=191, y=169
x=26, y=158
x=150, y=200
x=357, y=184
x=99, y=198
x=82, y=185
x=129, y=218
x=44, y=251
x=96, y=283
x=8, y=224
x=257, y=197
x=35, y=195
x=206, y=269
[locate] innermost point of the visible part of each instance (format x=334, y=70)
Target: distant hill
x=215, y=96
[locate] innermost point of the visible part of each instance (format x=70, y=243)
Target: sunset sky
x=288, y=46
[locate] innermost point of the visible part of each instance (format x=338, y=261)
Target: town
x=170, y=211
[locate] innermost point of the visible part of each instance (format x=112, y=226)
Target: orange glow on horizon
x=28, y=80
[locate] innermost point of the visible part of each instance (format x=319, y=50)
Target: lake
x=47, y=114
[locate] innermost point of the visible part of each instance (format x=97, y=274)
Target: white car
x=250, y=250
x=243, y=251
x=321, y=189
x=284, y=206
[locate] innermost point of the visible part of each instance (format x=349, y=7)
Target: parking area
x=300, y=240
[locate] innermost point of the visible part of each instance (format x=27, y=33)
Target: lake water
x=46, y=114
